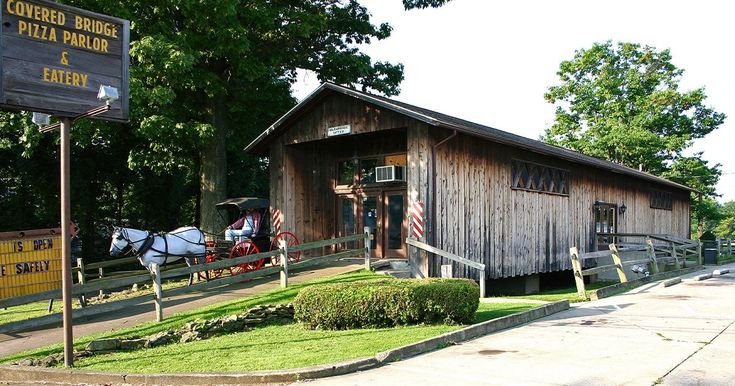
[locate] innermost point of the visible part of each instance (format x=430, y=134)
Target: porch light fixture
x=622, y=209
x=108, y=94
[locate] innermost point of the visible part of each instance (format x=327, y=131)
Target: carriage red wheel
x=291, y=241
x=243, y=249
x=211, y=257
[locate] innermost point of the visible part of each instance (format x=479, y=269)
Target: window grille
x=539, y=178
x=661, y=200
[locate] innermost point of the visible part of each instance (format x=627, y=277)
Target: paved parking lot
x=680, y=335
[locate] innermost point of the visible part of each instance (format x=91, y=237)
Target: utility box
x=710, y=256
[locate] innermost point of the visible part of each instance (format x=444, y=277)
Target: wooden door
x=347, y=223
x=371, y=216
x=395, y=228
x=606, y=223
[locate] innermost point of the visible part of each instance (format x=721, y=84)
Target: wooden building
x=512, y=203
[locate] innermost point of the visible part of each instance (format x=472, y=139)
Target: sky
x=490, y=62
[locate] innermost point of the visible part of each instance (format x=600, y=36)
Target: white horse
x=185, y=242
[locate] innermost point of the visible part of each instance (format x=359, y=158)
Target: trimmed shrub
x=387, y=303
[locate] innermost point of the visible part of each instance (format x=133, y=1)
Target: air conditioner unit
x=389, y=173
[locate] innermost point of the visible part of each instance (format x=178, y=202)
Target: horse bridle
x=123, y=235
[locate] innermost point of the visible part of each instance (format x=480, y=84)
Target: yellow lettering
x=65, y=58
x=35, y=12
x=71, y=78
x=44, y=14
x=52, y=34
x=22, y=27
x=104, y=45
x=78, y=22
x=9, y=6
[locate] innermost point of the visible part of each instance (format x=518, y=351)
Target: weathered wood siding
x=303, y=160
x=518, y=232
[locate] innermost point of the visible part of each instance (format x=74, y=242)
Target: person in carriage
x=246, y=226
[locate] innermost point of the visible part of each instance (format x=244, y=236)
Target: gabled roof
x=436, y=119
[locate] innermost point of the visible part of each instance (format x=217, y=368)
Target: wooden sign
x=339, y=130
x=30, y=262
x=53, y=59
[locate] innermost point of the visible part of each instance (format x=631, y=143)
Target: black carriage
x=263, y=237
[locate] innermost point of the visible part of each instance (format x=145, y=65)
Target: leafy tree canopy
x=622, y=103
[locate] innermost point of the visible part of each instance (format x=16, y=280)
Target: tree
x=726, y=226
x=694, y=172
x=207, y=77
x=622, y=103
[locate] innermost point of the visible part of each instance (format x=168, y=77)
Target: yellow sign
x=30, y=264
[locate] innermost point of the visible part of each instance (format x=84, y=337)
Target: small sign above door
x=339, y=130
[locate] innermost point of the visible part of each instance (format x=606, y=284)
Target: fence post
x=157, y=291
x=483, y=279
x=700, y=258
x=675, y=255
x=101, y=275
x=368, y=237
x=82, y=280
x=577, y=268
x=729, y=247
x=652, y=255
x=618, y=263
x=719, y=248
x=283, y=246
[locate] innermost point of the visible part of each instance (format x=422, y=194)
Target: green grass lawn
x=726, y=259
x=569, y=293
x=269, y=347
x=37, y=309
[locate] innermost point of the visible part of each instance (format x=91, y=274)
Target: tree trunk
x=213, y=169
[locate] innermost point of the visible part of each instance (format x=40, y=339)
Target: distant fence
x=724, y=247
x=660, y=252
x=157, y=275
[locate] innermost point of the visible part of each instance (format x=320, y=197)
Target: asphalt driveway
x=680, y=335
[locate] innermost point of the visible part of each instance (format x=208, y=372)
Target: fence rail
x=453, y=257
x=157, y=275
x=661, y=251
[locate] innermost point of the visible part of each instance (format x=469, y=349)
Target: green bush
x=387, y=303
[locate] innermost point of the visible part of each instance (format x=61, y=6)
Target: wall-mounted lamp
x=622, y=209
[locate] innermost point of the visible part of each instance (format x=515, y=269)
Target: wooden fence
x=724, y=247
x=451, y=256
x=660, y=251
x=157, y=275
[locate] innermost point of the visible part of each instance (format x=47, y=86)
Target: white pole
x=367, y=247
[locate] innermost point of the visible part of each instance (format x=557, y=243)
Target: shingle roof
x=437, y=119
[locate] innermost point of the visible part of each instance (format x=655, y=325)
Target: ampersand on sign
x=65, y=58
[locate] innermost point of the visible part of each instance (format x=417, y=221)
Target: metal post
x=66, y=281
x=283, y=246
x=367, y=247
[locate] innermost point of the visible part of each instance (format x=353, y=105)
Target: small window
x=661, y=200
x=367, y=170
x=539, y=178
x=346, y=172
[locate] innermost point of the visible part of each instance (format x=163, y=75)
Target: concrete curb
x=670, y=282
x=11, y=373
x=613, y=289
x=704, y=277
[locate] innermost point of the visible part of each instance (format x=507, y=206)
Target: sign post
x=66, y=241
x=61, y=60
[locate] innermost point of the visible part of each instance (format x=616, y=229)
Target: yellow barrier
x=30, y=262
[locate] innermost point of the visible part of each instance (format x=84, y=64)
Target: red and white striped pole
x=277, y=219
x=417, y=219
